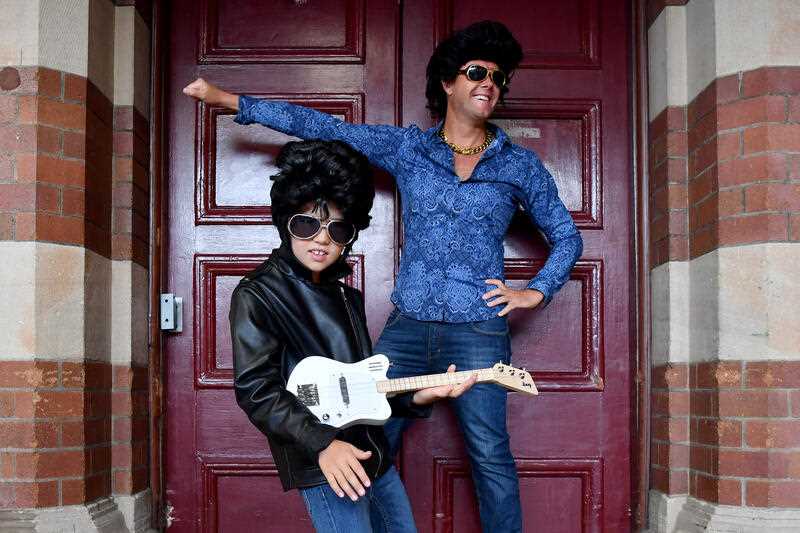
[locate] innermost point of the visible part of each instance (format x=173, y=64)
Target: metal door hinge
x=171, y=313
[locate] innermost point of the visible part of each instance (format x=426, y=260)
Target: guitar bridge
x=308, y=394
x=343, y=389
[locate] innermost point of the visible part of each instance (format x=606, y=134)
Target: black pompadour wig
x=318, y=173
x=486, y=40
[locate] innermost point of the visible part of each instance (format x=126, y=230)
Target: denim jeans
x=383, y=509
x=414, y=348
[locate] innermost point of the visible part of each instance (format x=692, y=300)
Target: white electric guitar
x=342, y=394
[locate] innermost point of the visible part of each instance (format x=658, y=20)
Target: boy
x=293, y=306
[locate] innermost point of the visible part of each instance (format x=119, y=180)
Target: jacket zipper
x=358, y=342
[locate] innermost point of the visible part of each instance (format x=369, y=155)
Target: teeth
x=319, y=253
x=482, y=97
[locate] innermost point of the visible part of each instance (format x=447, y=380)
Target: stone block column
x=724, y=206
x=73, y=208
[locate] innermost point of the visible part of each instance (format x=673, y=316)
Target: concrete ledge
x=685, y=514
x=101, y=516
x=136, y=510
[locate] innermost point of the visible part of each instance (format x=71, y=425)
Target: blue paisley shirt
x=453, y=230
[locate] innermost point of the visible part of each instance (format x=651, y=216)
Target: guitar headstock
x=514, y=379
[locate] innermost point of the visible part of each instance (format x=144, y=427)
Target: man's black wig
x=318, y=173
x=487, y=40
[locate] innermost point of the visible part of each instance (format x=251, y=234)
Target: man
x=460, y=182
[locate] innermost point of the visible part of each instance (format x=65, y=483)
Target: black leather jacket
x=279, y=316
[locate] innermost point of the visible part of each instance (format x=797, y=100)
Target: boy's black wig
x=321, y=172
x=487, y=40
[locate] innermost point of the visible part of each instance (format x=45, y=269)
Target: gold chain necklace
x=468, y=150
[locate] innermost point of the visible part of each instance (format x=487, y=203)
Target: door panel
x=365, y=62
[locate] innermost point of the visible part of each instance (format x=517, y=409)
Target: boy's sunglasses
x=306, y=227
x=479, y=73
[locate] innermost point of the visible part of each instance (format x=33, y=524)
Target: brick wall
x=728, y=432
x=725, y=171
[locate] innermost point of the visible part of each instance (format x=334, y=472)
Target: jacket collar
x=286, y=261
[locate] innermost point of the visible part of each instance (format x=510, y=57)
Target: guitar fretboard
x=400, y=385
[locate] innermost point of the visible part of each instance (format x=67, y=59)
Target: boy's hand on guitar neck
x=433, y=394
x=340, y=464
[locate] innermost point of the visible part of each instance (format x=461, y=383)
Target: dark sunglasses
x=302, y=226
x=479, y=73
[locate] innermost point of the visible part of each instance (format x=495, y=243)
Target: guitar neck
x=400, y=385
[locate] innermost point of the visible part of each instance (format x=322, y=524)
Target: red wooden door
x=364, y=61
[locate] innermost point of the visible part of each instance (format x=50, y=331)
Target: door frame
x=640, y=306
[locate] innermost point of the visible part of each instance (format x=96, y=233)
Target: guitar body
x=341, y=394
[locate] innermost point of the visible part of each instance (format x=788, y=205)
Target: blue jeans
x=383, y=509
x=414, y=348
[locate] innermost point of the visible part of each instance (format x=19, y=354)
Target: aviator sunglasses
x=479, y=73
x=306, y=227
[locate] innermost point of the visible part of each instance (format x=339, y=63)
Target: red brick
x=702, y=185
x=20, y=138
x=795, y=397
x=123, y=482
x=717, y=374
x=74, y=87
x=772, y=137
x=731, y=203
x=15, y=197
x=671, y=375
x=7, y=467
x=773, y=197
x=28, y=109
x=123, y=143
x=752, y=169
x=702, y=131
x=48, y=82
x=773, y=493
x=73, y=491
x=25, y=226
x=677, y=144
x=704, y=213
x=753, y=228
x=123, y=118
x=52, y=404
x=100, y=403
x=25, y=168
x=48, y=140
x=59, y=229
x=62, y=114
x=47, y=198
x=74, y=144
x=712, y=489
x=60, y=171
x=671, y=403
x=6, y=404
x=100, y=459
x=37, y=494
x=743, y=463
x=794, y=228
x=784, y=465
x=794, y=108
x=717, y=432
x=728, y=146
x=86, y=432
x=773, y=434
x=669, y=481
x=28, y=434
x=780, y=374
x=750, y=403
x=751, y=111
x=702, y=104
x=771, y=80
x=8, y=109
x=17, y=374
x=50, y=464
x=74, y=202
x=6, y=228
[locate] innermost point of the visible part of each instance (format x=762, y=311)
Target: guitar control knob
x=325, y=417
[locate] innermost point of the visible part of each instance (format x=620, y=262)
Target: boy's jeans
x=414, y=348
x=384, y=509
